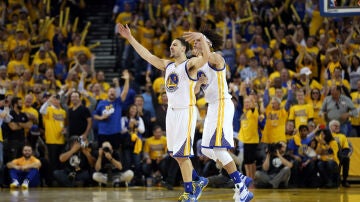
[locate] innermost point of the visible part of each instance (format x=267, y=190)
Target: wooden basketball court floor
x=158, y=194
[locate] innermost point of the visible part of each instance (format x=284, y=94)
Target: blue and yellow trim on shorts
x=185, y=150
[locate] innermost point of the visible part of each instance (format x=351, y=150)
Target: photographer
x=275, y=169
x=78, y=164
x=108, y=167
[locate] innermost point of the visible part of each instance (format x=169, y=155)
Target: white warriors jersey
x=216, y=87
x=179, y=86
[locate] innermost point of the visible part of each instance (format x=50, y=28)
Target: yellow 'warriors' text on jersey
x=179, y=86
x=216, y=87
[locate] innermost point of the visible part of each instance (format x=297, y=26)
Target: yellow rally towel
x=138, y=143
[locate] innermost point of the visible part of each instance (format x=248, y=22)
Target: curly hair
x=215, y=39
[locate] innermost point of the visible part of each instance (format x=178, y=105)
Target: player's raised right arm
x=125, y=32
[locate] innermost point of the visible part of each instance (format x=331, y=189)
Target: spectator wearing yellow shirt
x=248, y=135
x=124, y=17
x=51, y=84
x=31, y=113
x=98, y=92
x=355, y=121
x=276, y=117
x=316, y=98
x=25, y=170
x=17, y=66
x=100, y=79
x=155, y=155
x=328, y=164
x=337, y=79
x=78, y=48
x=306, y=81
x=20, y=41
x=159, y=41
x=42, y=58
x=344, y=150
x=301, y=113
x=336, y=60
x=54, y=123
x=4, y=80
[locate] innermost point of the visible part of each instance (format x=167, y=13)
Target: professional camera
x=83, y=143
x=273, y=147
x=106, y=149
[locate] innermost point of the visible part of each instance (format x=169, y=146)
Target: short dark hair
x=184, y=43
x=156, y=127
x=303, y=127
x=15, y=100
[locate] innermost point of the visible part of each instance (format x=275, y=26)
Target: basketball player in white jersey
x=218, y=129
x=180, y=81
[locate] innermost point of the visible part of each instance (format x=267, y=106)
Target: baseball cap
x=305, y=70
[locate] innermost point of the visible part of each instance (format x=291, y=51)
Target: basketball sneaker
x=187, y=197
x=199, y=186
x=242, y=194
x=14, y=184
x=25, y=184
x=246, y=180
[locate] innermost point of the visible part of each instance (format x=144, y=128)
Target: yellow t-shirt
x=332, y=65
x=301, y=114
x=31, y=110
x=277, y=74
x=159, y=85
x=316, y=104
x=47, y=85
x=156, y=148
x=248, y=133
x=123, y=18
x=102, y=96
x=342, y=140
x=146, y=37
x=16, y=67
x=316, y=22
x=329, y=155
x=159, y=46
x=344, y=82
x=75, y=50
x=40, y=61
x=23, y=162
x=356, y=100
x=274, y=130
x=54, y=122
x=50, y=54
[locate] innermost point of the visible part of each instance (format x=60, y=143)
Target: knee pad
x=223, y=156
x=209, y=153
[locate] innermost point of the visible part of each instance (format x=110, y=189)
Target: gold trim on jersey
x=220, y=121
x=187, y=148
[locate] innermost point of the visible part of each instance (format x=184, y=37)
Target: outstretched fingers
x=122, y=30
x=190, y=36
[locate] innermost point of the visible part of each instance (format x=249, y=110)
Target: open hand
x=124, y=31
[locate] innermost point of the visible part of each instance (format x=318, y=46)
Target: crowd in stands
x=293, y=74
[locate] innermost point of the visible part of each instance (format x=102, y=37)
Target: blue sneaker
x=242, y=194
x=199, y=186
x=246, y=180
x=186, y=197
